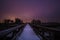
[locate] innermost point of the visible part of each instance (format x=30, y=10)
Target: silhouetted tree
x=37, y=22
x=33, y=21
x=11, y=22
x=6, y=21
x=18, y=21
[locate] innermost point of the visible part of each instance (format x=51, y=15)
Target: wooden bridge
x=11, y=33
x=47, y=33
x=42, y=33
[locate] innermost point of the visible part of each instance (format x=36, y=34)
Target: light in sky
x=44, y=10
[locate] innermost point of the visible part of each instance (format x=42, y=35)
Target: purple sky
x=45, y=10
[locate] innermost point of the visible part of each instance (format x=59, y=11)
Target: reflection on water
x=28, y=34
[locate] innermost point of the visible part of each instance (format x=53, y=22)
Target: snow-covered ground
x=28, y=34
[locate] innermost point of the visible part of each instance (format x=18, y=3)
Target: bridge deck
x=28, y=34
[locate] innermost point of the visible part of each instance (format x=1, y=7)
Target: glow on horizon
x=26, y=10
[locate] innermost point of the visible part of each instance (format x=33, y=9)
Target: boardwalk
x=28, y=34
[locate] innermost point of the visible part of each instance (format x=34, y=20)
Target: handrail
x=51, y=31
x=50, y=28
x=3, y=32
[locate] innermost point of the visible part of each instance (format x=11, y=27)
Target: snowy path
x=28, y=34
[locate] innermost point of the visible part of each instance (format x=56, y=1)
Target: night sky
x=26, y=10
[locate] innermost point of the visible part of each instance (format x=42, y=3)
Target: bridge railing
x=15, y=30
x=47, y=33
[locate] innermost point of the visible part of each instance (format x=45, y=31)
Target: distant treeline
x=48, y=24
x=10, y=23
